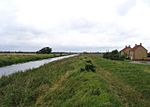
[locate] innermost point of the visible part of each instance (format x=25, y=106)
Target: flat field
x=67, y=83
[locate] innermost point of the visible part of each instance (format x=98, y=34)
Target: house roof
x=134, y=48
x=137, y=46
x=126, y=48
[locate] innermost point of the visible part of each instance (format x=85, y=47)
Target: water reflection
x=28, y=65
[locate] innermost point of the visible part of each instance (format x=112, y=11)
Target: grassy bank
x=65, y=84
x=8, y=59
x=130, y=82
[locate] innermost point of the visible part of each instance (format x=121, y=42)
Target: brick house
x=126, y=51
x=138, y=52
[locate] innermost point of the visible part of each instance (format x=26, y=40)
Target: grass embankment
x=130, y=82
x=64, y=84
x=8, y=59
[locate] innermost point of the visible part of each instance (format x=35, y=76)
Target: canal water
x=7, y=70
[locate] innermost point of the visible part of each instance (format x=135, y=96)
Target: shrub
x=96, y=91
x=88, y=67
x=114, y=55
x=89, y=61
x=82, y=69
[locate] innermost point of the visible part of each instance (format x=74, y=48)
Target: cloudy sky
x=73, y=25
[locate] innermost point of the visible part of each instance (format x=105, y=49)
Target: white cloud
x=125, y=7
x=73, y=23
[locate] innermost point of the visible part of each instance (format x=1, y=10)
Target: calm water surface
x=29, y=65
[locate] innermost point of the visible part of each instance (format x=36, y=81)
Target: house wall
x=122, y=53
x=131, y=55
x=126, y=52
x=140, y=53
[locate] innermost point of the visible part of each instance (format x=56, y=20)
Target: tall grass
x=8, y=59
x=132, y=81
x=58, y=84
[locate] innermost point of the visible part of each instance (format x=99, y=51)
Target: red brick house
x=138, y=52
x=126, y=51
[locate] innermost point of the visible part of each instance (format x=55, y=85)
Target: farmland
x=13, y=58
x=66, y=83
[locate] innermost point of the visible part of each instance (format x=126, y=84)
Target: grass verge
x=8, y=59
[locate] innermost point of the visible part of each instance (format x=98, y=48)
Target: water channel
x=7, y=70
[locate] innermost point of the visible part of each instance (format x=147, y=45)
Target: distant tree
x=45, y=50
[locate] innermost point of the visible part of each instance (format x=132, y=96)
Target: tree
x=45, y=50
x=114, y=55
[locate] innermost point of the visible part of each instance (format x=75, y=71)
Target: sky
x=73, y=25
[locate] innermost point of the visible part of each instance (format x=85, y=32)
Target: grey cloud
x=18, y=47
x=85, y=49
x=89, y=27
x=10, y=29
x=82, y=26
x=20, y=30
x=16, y=36
x=20, y=37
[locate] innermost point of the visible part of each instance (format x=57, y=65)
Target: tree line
x=114, y=55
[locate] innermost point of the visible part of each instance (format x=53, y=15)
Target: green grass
x=131, y=82
x=8, y=59
x=64, y=84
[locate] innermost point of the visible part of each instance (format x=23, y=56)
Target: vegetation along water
x=8, y=59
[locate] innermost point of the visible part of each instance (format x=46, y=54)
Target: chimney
x=126, y=46
x=140, y=44
x=129, y=46
x=135, y=44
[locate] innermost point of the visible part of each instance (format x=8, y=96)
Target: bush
x=89, y=61
x=89, y=67
x=114, y=55
x=96, y=91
